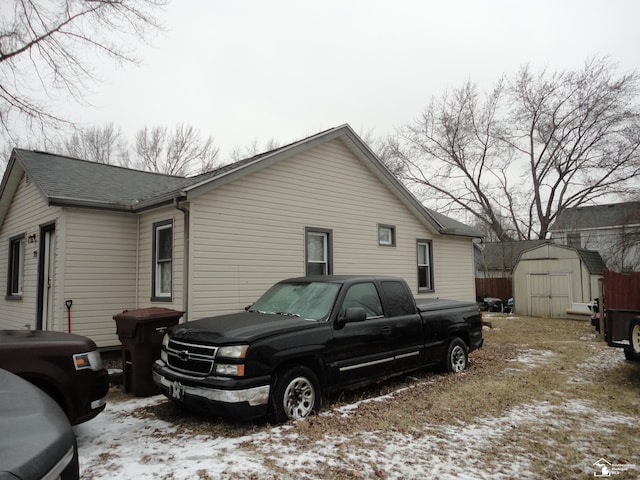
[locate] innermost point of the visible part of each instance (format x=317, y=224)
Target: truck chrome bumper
x=254, y=396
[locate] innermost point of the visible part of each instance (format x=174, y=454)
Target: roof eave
x=10, y=181
x=84, y=203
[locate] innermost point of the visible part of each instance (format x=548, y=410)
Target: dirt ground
x=544, y=398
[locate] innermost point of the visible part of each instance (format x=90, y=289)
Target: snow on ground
x=119, y=445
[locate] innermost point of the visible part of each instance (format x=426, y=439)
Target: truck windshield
x=311, y=300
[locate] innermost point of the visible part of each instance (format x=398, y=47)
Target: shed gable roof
x=591, y=259
x=66, y=181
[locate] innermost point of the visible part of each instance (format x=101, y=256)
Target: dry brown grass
x=525, y=362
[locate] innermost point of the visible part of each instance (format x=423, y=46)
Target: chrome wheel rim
x=458, y=360
x=635, y=338
x=299, y=398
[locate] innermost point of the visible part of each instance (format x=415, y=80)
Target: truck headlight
x=233, y=351
x=90, y=360
x=165, y=340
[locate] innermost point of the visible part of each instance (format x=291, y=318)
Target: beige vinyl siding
x=145, y=257
x=453, y=268
x=100, y=271
x=250, y=233
x=27, y=212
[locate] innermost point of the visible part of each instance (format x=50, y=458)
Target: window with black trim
x=162, y=261
x=387, y=235
x=16, y=267
x=318, y=251
x=425, y=265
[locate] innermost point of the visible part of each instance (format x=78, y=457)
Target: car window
x=399, y=299
x=364, y=295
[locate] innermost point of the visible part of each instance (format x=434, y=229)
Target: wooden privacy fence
x=494, y=287
x=622, y=290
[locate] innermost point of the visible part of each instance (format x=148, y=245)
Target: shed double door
x=549, y=294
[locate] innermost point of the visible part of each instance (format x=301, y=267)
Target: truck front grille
x=191, y=358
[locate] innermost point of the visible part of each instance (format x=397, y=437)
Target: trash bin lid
x=148, y=314
x=127, y=321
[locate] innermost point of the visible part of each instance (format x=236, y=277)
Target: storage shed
x=550, y=279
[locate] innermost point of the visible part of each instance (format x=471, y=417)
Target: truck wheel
x=457, y=356
x=296, y=395
x=634, y=337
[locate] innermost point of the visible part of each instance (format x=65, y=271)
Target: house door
x=46, y=277
x=549, y=294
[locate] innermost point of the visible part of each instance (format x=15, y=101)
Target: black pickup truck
x=308, y=336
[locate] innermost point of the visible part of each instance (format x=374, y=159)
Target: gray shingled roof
x=593, y=261
x=614, y=214
x=87, y=182
x=453, y=227
x=70, y=181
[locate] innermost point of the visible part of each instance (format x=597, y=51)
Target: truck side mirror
x=350, y=315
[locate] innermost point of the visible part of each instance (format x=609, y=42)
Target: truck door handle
x=386, y=330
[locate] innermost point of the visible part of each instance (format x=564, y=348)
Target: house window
x=386, y=235
x=16, y=267
x=162, y=260
x=574, y=240
x=425, y=266
x=318, y=251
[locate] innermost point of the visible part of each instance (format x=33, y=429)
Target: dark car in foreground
x=36, y=439
x=67, y=367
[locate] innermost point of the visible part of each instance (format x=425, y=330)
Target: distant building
x=613, y=230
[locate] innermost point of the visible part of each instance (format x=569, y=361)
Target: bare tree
x=535, y=145
x=97, y=144
x=180, y=152
x=47, y=49
x=254, y=148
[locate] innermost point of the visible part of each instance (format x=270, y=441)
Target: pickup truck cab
x=309, y=336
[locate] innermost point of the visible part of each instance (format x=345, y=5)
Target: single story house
x=551, y=279
x=83, y=241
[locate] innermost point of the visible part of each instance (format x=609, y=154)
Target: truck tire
x=457, y=357
x=296, y=395
x=634, y=339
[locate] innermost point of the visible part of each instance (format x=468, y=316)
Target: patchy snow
x=533, y=358
x=120, y=445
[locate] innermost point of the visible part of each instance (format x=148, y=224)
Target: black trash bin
x=140, y=332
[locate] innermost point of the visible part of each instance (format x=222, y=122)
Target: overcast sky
x=242, y=70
